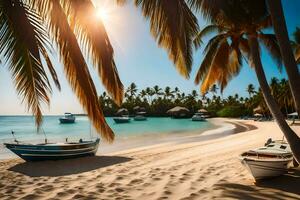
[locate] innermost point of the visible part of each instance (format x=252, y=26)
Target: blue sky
x=139, y=60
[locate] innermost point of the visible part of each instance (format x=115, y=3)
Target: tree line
x=157, y=101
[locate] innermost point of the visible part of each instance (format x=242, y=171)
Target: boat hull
x=121, y=121
x=140, y=118
x=43, y=152
x=261, y=169
x=66, y=121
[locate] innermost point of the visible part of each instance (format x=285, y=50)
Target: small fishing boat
x=140, y=116
x=198, y=117
x=122, y=119
x=67, y=119
x=273, y=159
x=53, y=151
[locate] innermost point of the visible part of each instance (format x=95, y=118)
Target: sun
x=102, y=14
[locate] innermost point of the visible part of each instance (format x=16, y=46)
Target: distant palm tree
x=213, y=89
x=168, y=93
x=157, y=91
x=250, y=89
x=24, y=41
x=131, y=90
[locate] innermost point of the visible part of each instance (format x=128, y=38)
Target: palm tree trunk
x=285, y=49
x=289, y=134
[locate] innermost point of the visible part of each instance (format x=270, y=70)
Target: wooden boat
x=67, y=119
x=140, y=116
x=274, y=159
x=122, y=119
x=53, y=151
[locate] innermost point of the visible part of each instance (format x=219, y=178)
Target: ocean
x=25, y=130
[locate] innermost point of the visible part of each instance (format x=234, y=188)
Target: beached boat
x=122, y=119
x=140, y=116
x=53, y=151
x=274, y=159
x=198, y=117
x=67, y=119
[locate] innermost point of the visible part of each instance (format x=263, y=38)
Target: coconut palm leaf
x=174, y=26
x=210, y=52
x=205, y=32
x=93, y=37
x=271, y=44
x=74, y=63
x=20, y=38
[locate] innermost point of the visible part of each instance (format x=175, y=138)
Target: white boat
x=122, y=119
x=272, y=160
x=140, y=116
x=198, y=117
x=67, y=119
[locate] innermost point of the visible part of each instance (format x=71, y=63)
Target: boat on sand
x=272, y=160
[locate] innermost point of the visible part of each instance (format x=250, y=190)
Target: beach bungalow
x=179, y=112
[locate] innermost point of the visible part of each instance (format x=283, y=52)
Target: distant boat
x=198, y=117
x=122, y=119
x=67, y=119
x=274, y=159
x=53, y=151
x=140, y=116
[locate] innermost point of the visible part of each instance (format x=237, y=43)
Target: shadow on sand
x=67, y=167
x=282, y=187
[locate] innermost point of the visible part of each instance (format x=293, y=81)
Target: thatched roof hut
x=258, y=109
x=202, y=110
x=179, y=112
x=122, y=111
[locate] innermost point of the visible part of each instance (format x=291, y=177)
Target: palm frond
x=205, y=32
x=93, y=37
x=174, y=26
x=271, y=44
x=218, y=70
x=210, y=52
x=208, y=8
x=74, y=64
x=21, y=37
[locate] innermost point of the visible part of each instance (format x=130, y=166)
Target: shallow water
x=25, y=130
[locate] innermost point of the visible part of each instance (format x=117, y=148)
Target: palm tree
x=168, y=93
x=223, y=60
x=23, y=53
x=131, y=90
x=296, y=44
x=291, y=68
x=213, y=89
x=250, y=89
x=157, y=91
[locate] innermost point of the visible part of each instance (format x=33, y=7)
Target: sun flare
x=102, y=14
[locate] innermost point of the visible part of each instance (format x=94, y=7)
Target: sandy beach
x=196, y=167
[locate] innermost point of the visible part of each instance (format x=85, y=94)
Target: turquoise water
x=25, y=130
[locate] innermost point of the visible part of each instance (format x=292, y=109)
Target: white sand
x=176, y=170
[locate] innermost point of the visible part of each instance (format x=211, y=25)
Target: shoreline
x=207, y=169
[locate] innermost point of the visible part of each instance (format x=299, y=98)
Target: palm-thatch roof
x=258, y=109
x=122, y=111
x=178, y=109
x=202, y=110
